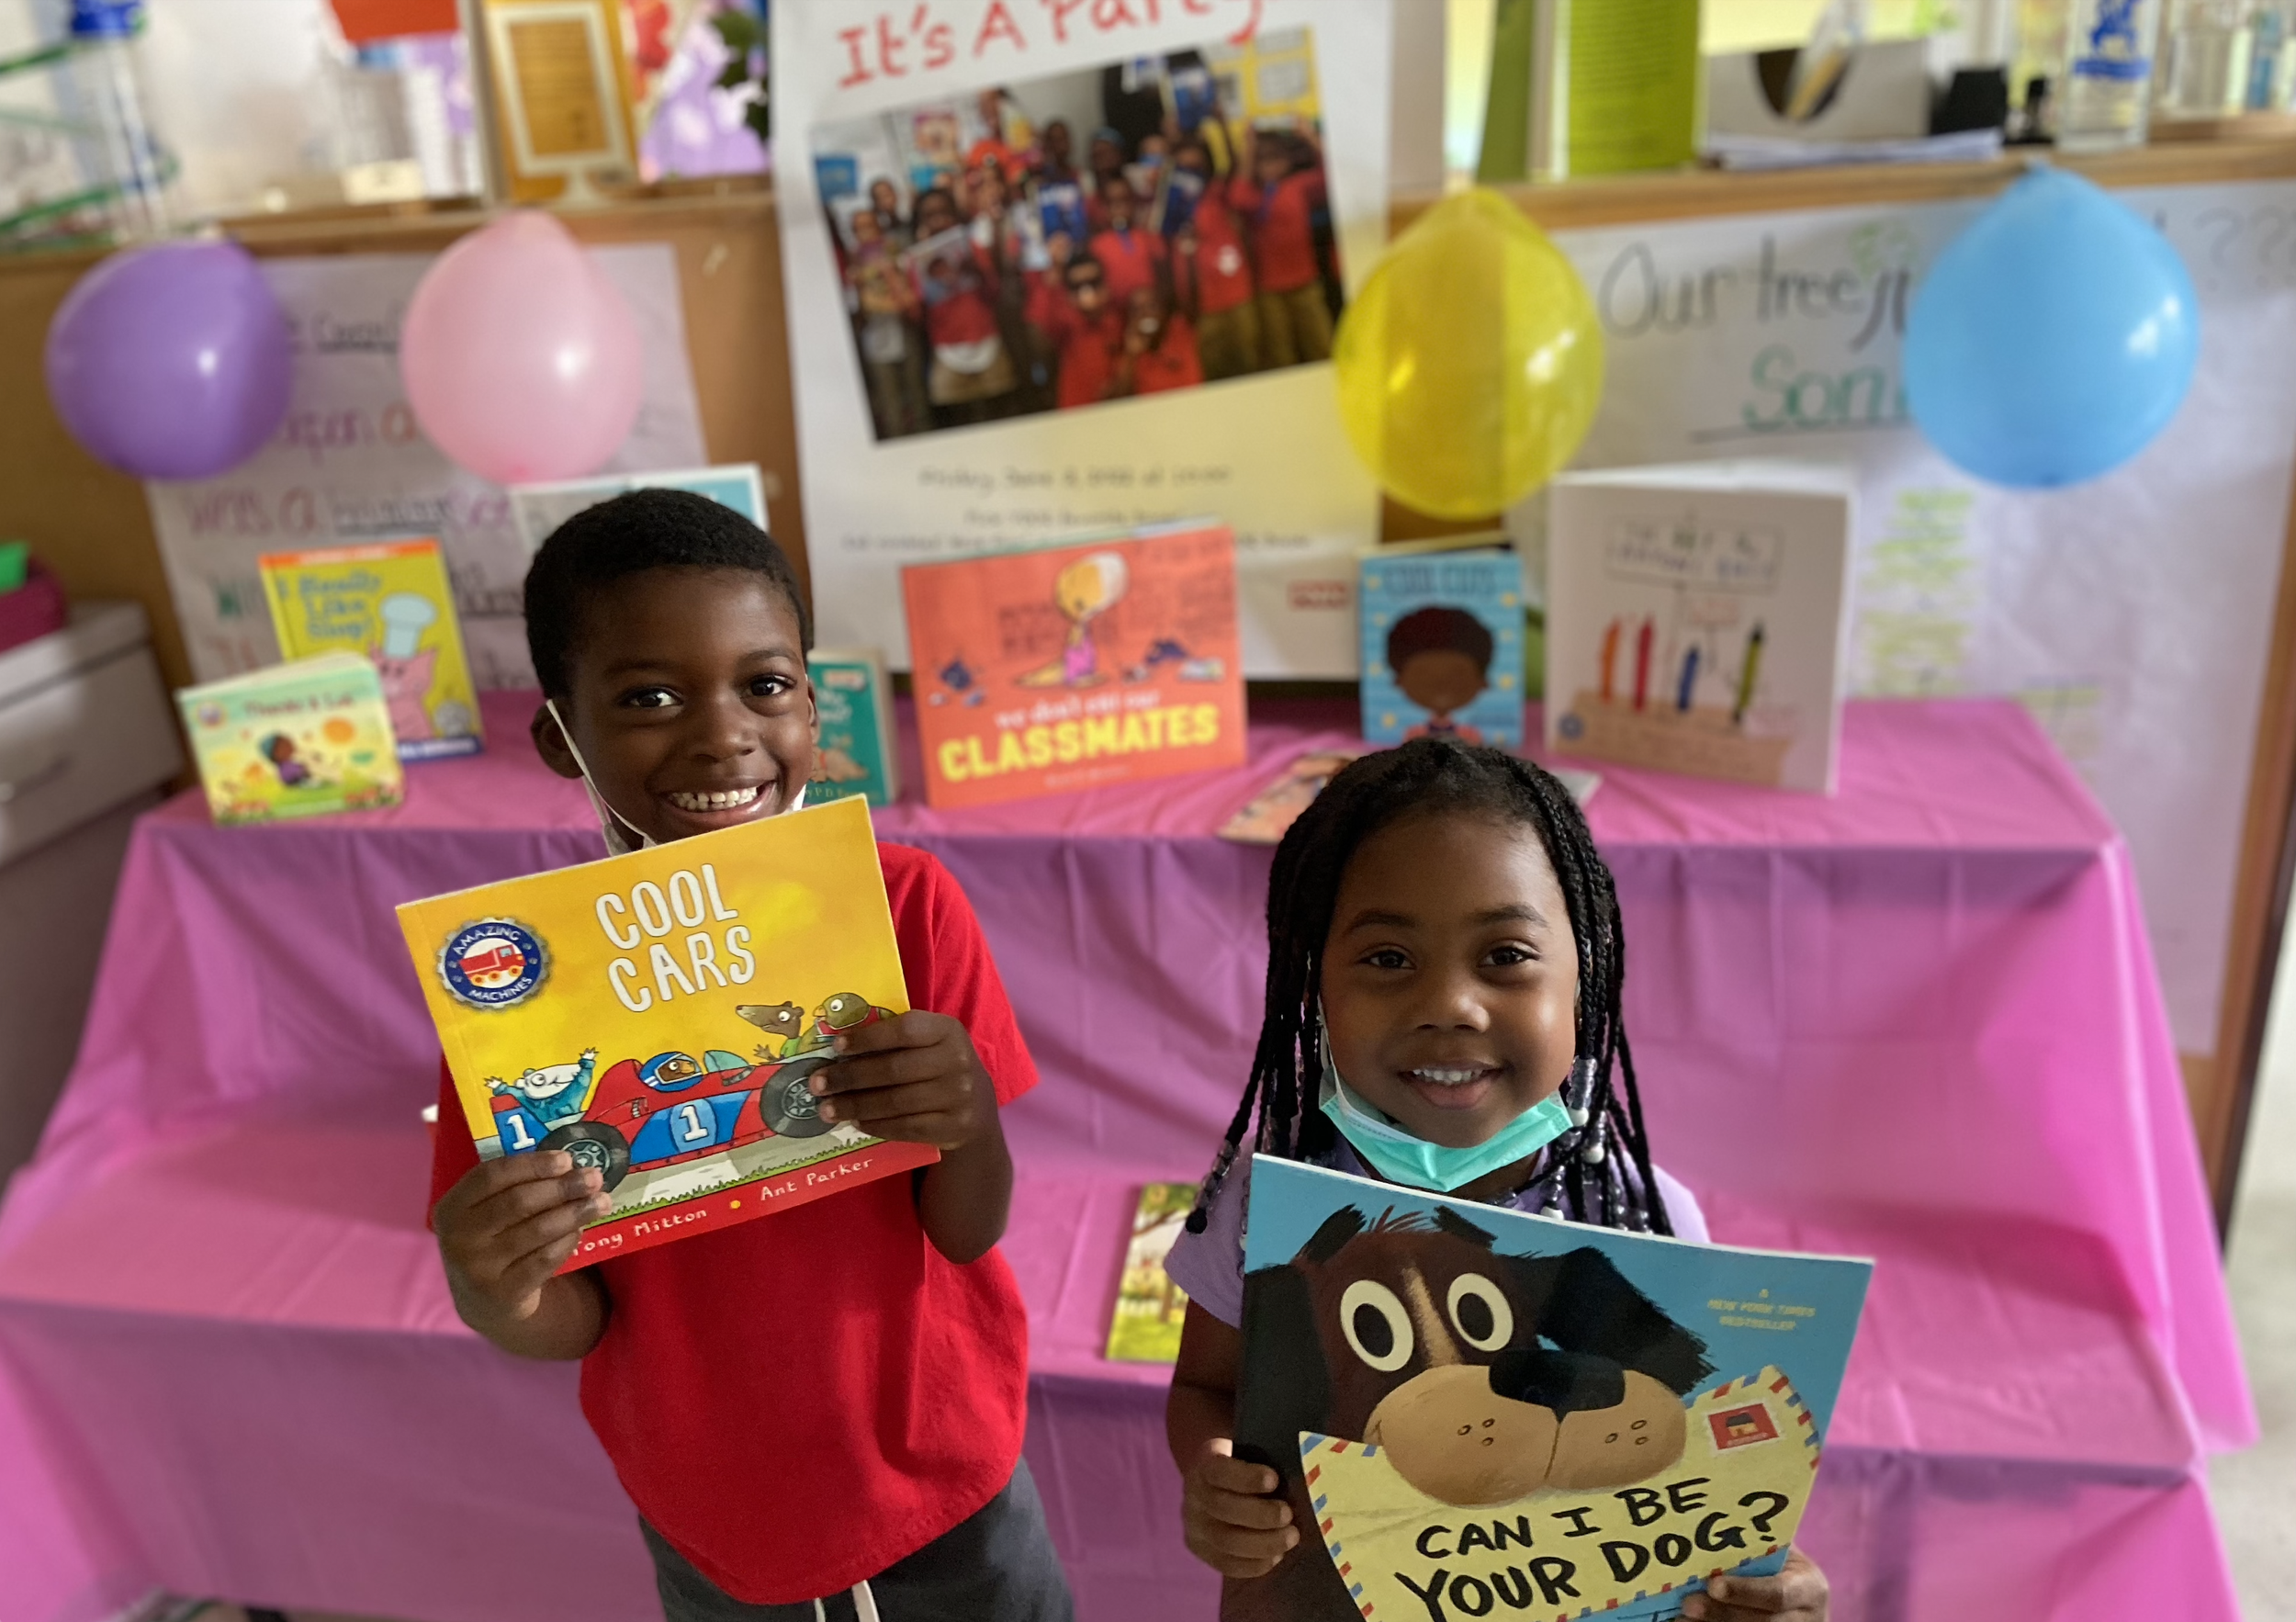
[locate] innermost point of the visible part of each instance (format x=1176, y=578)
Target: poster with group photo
x=1066, y=268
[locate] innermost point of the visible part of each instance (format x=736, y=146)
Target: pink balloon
x=521, y=361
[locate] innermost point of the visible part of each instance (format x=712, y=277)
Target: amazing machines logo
x=493, y=964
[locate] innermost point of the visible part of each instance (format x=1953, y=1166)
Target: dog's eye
x=1480, y=1313
x=1376, y=1324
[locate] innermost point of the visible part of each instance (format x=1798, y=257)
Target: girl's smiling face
x=1450, y=976
x=689, y=698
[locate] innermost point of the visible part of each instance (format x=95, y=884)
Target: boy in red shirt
x=1279, y=204
x=1208, y=249
x=831, y=1398
x=1074, y=315
x=1133, y=256
x=1159, y=353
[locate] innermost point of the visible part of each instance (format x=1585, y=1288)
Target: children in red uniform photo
x=829, y=1401
x=1279, y=201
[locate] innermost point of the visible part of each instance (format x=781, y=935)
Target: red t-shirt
x=800, y=1401
x=1172, y=363
x=1283, y=232
x=961, y=308
x=1131, y=259
x=1223, y=276
x=1087, y=347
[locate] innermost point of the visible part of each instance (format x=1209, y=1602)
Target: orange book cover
x=1074, y=666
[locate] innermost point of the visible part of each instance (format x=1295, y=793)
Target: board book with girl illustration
x=1483, y=1412
x=297, y=740
x=391, y=602
x=658, y=1017
x=1075, y=666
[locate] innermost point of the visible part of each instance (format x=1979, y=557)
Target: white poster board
x=350, y=465
x=2132, y=613
x=896, y=471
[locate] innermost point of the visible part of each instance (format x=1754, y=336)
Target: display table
x=1916, y=1021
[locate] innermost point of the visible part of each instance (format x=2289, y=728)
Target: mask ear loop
x=628, y=836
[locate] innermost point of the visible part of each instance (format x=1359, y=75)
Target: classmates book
x=296, y=739
x=393, y=603
x=1075, y=666
x=1698, y=619
x=658, y=1016
x=1481, y=1412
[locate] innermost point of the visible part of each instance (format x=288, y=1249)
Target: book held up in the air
x=1698, y=616
x=1480, y=1411
x=658, y=1016
x=296, y=739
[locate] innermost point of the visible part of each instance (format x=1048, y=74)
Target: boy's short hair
x=634, y=531
x=1438, y=629
x=1082, y=259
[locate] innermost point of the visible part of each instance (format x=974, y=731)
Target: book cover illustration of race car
x=658, y=1016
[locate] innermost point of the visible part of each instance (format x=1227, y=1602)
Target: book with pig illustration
x=1478, y=1412
x=658, y=1016
x=1698, y=618
x=391, y=602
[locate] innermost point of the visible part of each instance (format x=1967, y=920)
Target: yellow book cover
x=392, y=603
x=1150, y=1308
x=658, y=1015
x=293, y=741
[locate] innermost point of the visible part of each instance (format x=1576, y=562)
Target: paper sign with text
x=1073, y=667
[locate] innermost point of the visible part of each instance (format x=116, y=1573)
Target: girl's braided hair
x=1582, y=1173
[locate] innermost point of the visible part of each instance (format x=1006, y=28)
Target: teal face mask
x=1401, y=1157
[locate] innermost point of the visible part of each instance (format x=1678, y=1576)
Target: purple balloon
x=171, y=361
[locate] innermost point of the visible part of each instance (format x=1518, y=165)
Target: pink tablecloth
x=1916, y=1021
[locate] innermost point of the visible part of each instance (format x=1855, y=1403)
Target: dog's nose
x=1568, y=1382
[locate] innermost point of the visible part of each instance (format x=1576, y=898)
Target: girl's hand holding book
x=1798, y=1593
x=913, y=1078
x=1233, y=1513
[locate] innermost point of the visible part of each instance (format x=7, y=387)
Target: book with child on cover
x=1077, y=665
x=1480, y=1411
x=1442, y=627
x=297, y=740
x=658, y=1015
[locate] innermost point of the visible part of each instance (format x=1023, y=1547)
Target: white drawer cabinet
x=85, y=725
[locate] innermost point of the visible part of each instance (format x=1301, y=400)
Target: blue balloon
x=2053, y=339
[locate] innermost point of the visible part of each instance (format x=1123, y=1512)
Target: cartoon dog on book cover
x=1465, y=1432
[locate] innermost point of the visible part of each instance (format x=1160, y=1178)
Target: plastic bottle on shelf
x=2107, y=87
x=124, y=154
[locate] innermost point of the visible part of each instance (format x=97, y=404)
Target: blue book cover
x=1442, y=644
x=1480, y=1411
x=856, y=756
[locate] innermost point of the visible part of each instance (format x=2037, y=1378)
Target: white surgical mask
x=622, y=835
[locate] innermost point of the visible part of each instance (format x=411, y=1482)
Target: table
x=1916, y=1021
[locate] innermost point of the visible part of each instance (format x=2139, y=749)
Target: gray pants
x=997, y=1567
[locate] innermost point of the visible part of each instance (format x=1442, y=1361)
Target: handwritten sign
x=350, y=465
x=2132, y=613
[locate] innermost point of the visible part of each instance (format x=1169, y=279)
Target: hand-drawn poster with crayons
x=1697, y=619
x=1077, y=665
x=1480, y=1412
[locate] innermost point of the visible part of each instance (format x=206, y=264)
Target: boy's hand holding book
x=913, y=1078
x=507, y=1227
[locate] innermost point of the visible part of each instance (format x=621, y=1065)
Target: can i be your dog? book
x=658, y=1015
x=1478, y=1412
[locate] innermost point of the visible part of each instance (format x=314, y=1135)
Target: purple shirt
x=1210, y=1265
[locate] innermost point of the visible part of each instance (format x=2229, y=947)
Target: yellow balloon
x=1470, y=365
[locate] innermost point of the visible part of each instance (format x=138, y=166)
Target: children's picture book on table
x=1697, y=619
x=1098, y=661
x=658, y=1016
x=1442, y=643
x=393, y=603
x=1150, y=1308
x=1481, y=1412
x=537, y=509
x=856, y=752
x=294, y=740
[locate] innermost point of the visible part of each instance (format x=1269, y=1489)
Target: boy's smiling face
x=688, y=697
x=1450, y=977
